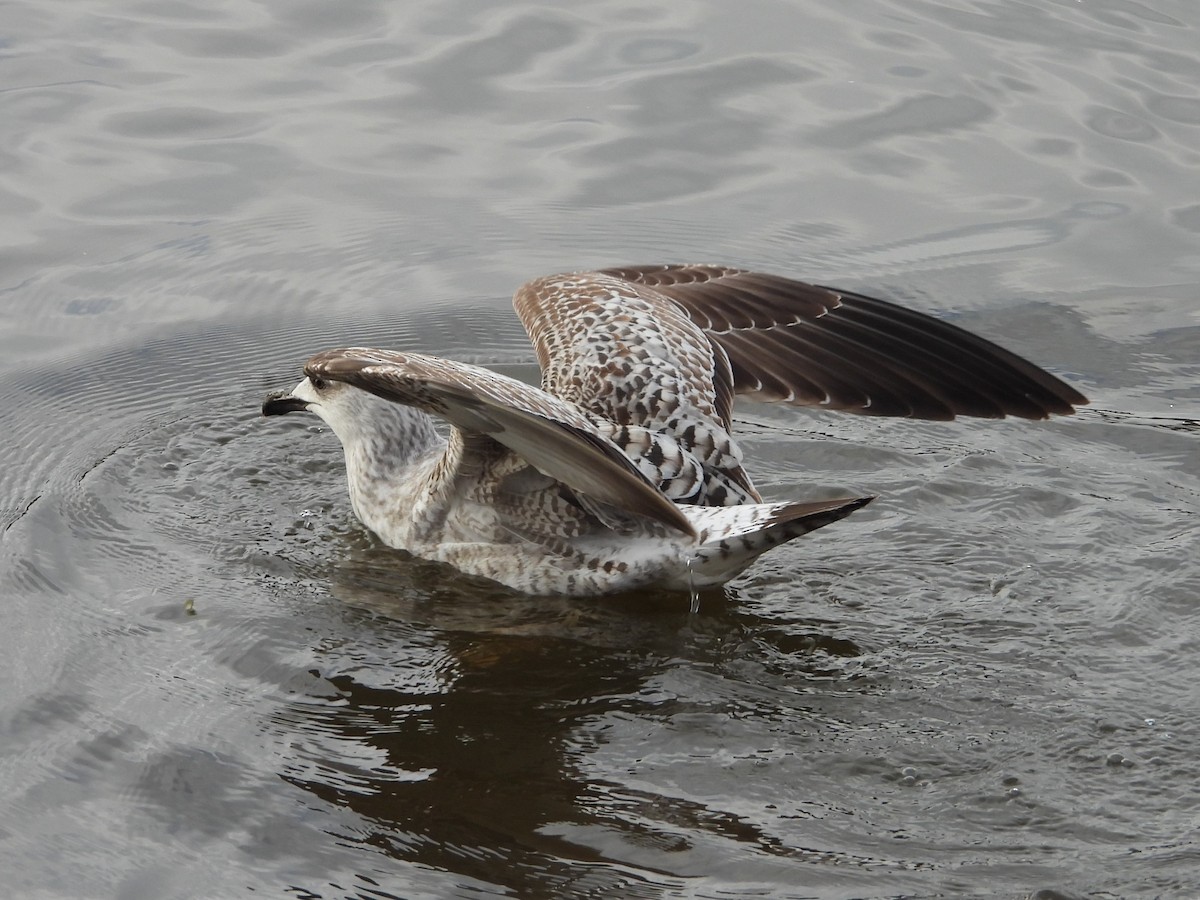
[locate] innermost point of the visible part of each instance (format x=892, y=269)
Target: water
x=217, y=686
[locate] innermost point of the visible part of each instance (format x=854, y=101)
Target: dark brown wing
x=820, y=346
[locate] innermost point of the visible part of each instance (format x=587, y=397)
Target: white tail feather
x=732, y=537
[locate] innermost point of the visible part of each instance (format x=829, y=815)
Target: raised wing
x=819, y=346
x=551, y=435
x=621, y=349
x=633, y=357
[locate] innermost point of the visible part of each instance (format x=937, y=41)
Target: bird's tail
x=732, y=537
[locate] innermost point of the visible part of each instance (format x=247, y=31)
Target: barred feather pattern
x=637, y=362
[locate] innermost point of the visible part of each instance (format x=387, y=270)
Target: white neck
x=390, y=451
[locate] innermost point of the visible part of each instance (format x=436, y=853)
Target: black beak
x=280, y=402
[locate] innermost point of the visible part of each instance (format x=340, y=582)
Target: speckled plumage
x=621, y=470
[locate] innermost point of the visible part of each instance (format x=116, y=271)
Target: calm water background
x=987, y=684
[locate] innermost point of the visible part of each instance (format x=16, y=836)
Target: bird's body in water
x=621, y=470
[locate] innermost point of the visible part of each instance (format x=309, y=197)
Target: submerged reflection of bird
x=621, y=470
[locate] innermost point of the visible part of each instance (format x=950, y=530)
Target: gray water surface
x=217, y=685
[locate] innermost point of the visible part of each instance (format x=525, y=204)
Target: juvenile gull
x=621, y=470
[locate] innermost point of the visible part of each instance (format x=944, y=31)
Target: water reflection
x=459, y=733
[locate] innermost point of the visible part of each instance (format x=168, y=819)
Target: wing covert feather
x=619, y=350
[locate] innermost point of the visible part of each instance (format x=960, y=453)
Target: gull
x=621, y=470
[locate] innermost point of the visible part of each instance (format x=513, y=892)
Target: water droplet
x=694, y=606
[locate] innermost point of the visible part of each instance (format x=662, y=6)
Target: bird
x=621, y=470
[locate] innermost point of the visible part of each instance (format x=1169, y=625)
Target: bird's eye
x=318, y=382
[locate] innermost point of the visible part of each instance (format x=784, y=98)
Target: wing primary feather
x=811, y=344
